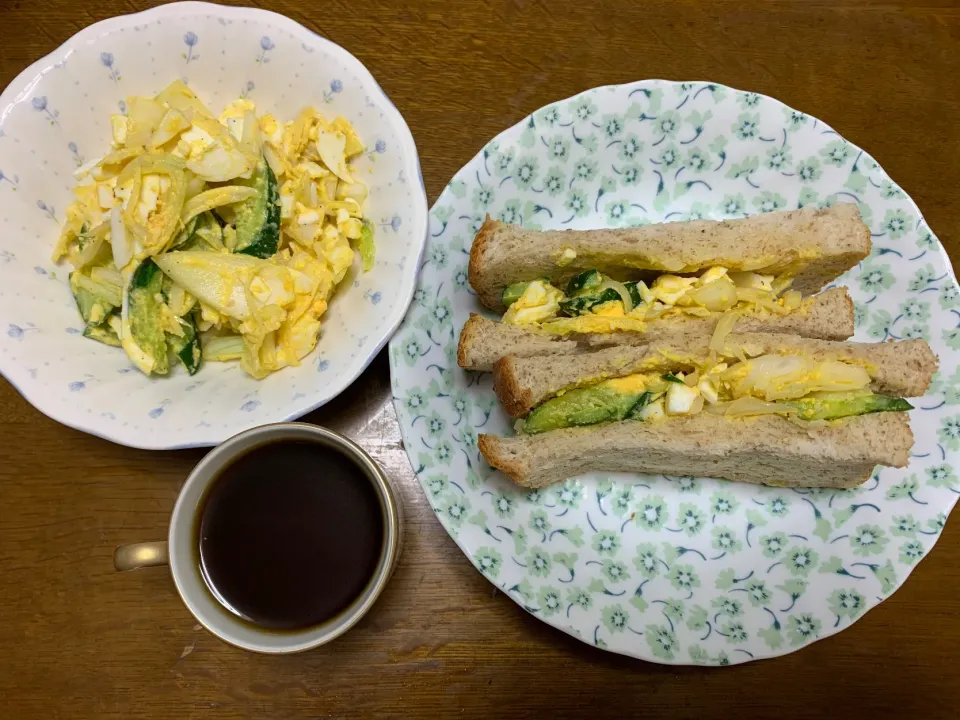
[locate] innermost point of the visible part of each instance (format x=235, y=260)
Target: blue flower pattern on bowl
x=190, y=39
x=40, y=104
x=106, y=59
x=266, y=45
x=47, y=210
x=77, y=157
x=336, y=87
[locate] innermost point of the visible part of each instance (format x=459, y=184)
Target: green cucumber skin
x=583, y=283
x=258, y=219
x=145, y=285
x=103, y=334
x=187, y=348
x=850, y=406
x=584, y=406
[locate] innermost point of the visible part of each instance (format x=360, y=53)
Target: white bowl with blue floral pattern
x=55, y=117
x=679, y=570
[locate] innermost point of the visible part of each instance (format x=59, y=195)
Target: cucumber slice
x=512, y=293
x=187, y=348
x=186, y=235
x=366, y=247
x=584, y=406
x=584, y=303
x=146, y=342
x=258, y=219
x=584, y=283
x=832, y=406
x=207, y=234
x=105, y=333
x=93, y=306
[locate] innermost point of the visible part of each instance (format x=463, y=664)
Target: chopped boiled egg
x=331, y=146
x=681, y=399
x=540, y=301
x=714, y=273
x=173, y=123
x=653, y=411
x=670, y=288
x=172, y=148
x=149, y=195
x=105, y=196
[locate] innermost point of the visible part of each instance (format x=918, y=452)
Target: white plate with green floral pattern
x=672, y=569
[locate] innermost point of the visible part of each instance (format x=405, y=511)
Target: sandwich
x=568, y=291
x=753, y=407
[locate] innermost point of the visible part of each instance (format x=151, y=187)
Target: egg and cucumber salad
x=214, y=238
x=795, y=386
x=594, y=303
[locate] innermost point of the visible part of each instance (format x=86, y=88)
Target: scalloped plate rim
x=569, y=629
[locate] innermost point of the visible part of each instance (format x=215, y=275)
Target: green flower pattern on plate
x=676, y=569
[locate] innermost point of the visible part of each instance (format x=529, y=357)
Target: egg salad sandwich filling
x=562, y=290
x=219, y=238
x=762, y=408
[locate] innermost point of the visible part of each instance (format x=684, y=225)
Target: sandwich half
x=566, y=291
x=811, y=246
x=828, y=315
x=761, y=408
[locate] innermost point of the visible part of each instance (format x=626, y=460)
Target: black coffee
x=290, y=534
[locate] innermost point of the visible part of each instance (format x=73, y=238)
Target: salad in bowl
x=213, y=219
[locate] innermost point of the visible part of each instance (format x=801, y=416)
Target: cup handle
x=139, y=555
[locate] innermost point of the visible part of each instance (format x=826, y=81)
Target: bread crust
x=828, y=315
x=902, y=368
x=814, y=245
x=769, y=450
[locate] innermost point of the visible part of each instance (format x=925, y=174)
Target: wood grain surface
x=78, y=640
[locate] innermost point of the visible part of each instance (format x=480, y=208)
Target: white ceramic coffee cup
x=178, y=551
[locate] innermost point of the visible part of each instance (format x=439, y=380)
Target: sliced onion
x=621, y=291
x=195, y=184
x=119, y=242
x=272, y=160
x=717, y=296
x=92, y=249
x=747, y=406
x=251, y=138
x=724, y=327
x=107, y=276
x=222, y=348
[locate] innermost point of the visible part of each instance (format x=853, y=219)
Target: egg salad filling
x=594, y=303
x=218, y=238
x=806, y=390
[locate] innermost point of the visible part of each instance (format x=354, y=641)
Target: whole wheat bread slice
x=769, y=449
x=898, y=368
x=816, y=245
x=828, y=315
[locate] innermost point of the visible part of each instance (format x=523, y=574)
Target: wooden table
x=78, y=640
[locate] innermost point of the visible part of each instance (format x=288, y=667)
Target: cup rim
x=199, y=599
